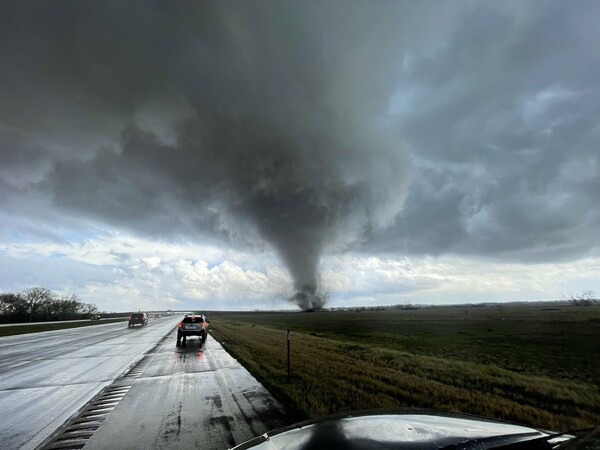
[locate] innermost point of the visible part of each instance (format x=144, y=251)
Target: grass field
x=35, y=328
x=530, y=364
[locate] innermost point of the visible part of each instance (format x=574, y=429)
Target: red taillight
x=180, y=324
x=131, y=317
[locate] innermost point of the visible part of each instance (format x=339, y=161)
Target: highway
x=152, y=394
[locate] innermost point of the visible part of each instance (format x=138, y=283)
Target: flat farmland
x=536, y=364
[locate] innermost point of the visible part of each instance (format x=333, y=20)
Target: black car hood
x=396, y=429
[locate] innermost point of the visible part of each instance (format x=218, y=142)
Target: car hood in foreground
x=396, y=429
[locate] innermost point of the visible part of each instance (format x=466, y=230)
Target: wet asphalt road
x=47, y=377
x=192, y=397
x=197, y=396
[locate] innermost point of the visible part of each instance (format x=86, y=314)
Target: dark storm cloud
x=276, y=120
x=502, y=120
x=281, y=123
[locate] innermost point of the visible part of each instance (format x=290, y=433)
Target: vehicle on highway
x=95, y=317
x=194, y=325
x=417, y=429
x=138, y=319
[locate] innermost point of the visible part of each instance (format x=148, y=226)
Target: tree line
x=39, y=304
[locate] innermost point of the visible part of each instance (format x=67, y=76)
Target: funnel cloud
x=303, y=184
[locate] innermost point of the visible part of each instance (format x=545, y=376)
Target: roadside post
x=288, y=356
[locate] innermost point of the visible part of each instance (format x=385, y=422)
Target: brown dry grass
x=338, y=375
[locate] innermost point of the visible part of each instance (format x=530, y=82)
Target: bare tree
x=586, y=297
x=10, y=304
x=35, y=298
x=87, y=308
x=66, y=306
x=588, y=294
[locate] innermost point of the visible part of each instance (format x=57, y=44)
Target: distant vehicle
x=195, y=325
x=169, y=313
x=95, y=317
x=138, y=319
x=157, y=316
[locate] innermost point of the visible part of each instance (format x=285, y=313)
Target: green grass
x=35, y=328
x=527, y=364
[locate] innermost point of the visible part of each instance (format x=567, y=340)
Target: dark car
x=195, y=325
x=138, y=319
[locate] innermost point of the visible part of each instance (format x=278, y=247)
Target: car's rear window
x=137, y=316
x=196, y=319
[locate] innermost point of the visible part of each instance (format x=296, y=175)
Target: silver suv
x=195, y=325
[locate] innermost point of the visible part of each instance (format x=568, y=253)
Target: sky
x=270, y=155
